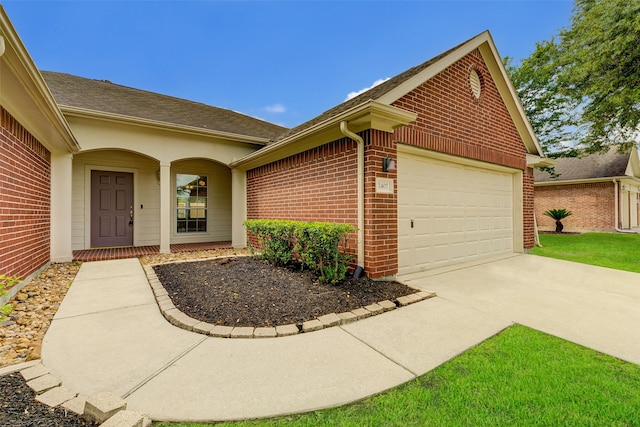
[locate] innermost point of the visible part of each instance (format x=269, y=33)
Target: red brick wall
x=381, y=210
x=451, y=120
x=593, y=205
x=528, y=200
x=321, y=185
x=25, y=182
x=317, y=185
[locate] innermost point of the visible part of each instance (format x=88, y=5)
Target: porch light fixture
x=388, y=164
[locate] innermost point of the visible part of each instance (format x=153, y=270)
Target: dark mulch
x=18, y=407
x=245, y=291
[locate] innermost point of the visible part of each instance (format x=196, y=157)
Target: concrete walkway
x=109, y=335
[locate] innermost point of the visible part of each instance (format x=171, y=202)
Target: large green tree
x=550, y=111
x=585, y=82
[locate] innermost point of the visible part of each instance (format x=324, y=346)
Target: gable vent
x=476, y=84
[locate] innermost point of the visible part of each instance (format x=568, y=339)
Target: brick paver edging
x=181, y=320
x=104, y=409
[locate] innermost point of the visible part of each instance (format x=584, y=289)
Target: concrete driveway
x=109, y=335
x=592, y=306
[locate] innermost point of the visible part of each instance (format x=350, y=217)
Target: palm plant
x=558, y=215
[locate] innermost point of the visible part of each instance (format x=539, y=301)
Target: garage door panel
x=460, y=213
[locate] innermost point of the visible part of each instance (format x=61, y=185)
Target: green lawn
x=619, y=251
x=519, y=377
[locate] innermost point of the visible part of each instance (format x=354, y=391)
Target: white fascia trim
x=586, y=181
x=155, y=124
x=537, y=148
x=633, y=167
x=26, y=70
x=534, y=161
x=361, y=111
x=434, y=69
x=487, y=47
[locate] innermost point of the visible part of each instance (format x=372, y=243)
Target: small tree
x=558, y=215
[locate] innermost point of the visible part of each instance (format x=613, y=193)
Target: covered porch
x=103, y=254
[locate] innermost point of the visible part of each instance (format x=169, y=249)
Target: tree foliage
x=550, y=111
x=586, y=79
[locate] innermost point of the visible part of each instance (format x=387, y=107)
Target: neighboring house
x=602, y=190
x=139, y=168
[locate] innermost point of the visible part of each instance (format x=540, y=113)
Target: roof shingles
x=104, y=96
x=601, y=165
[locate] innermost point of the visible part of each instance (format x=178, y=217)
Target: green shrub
x=275, y=238
x=320, y=246
x=5, y=283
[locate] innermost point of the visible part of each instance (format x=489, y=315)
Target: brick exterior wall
x=528, y=209
x=452, y=121
x=25, y=183
x=317, y=185
x=320, y=184
x=593, y=205
x=381, y=210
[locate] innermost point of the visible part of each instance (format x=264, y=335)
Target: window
x=191, y=203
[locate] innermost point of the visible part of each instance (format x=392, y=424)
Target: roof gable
x=398, y=86
x=611, y=164
x=25, y=95
x=106, y=97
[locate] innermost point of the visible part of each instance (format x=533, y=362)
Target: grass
x=519, y=377
x=619, y=251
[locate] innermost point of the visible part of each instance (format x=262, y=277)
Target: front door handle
x=130, y=215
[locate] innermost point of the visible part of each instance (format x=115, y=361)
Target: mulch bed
x=245, y=291
x=19, y=408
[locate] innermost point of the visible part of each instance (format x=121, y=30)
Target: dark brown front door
x=111, y=209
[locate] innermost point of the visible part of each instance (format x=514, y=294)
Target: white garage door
x=450, y=213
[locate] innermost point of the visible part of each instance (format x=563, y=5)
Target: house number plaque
x=384, y=185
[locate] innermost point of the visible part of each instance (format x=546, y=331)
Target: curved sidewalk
x=109, y=335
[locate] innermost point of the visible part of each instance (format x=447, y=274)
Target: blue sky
x=282, y=61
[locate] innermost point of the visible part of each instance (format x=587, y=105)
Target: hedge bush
x=320, y=246
x=276, y=239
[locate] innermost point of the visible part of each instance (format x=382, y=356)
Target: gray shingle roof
x=104, y=96
x=601, y=165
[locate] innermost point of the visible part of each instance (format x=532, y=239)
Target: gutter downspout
x=346, y=132
x=616, y=186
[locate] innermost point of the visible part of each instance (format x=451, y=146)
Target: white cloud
x=376, y=83
x=276, y=109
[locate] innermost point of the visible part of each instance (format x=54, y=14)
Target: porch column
x=238, y=208
x=61, y=200
x=165, y=207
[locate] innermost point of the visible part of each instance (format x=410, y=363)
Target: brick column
x=381, y=210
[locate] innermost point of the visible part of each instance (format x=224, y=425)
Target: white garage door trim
x=457, y=242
